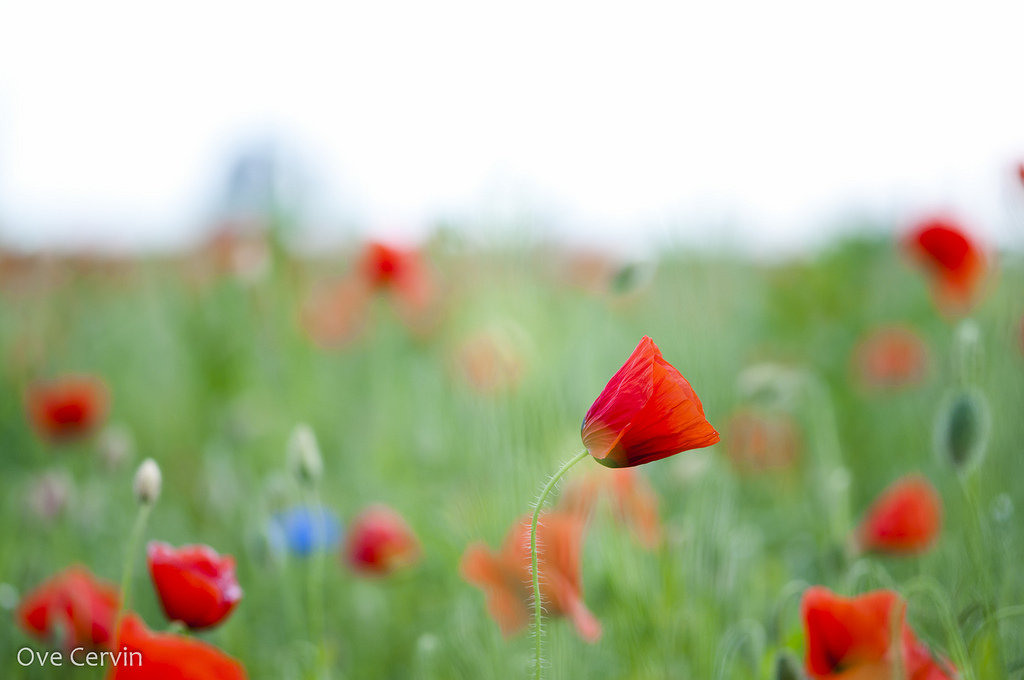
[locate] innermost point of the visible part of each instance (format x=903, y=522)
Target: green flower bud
x=787, y=666
x=962, y=429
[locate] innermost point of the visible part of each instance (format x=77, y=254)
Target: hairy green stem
x=537, y=604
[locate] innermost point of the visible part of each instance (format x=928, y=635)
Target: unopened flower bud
x=787, y=667
x=962, y=429
x=147, y=482
x=304, y=455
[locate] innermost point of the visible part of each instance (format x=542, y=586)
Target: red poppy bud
x=196, y=585
x=905, y=519
x=647, y=412
x=143, y=655
x=67, y=408
x=380, y=542
x=75, y=603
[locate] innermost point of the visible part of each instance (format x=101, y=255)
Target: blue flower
x=303, y=530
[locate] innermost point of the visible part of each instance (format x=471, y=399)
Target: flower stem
x=537, y=605
x=129, y=561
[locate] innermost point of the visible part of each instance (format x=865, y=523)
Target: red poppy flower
x=406, y=277
x=73, y=606
x=646, y=412
x=891, y=357
x=506, y=576
x=758, y=441
x=334, y=314
x=956, y=264
x=144, y=655
x=196, y=585
x=380, y=542
x=490, y=362
x=632, y=498
x=853, y=639
x=67, y=408
x=905, y=519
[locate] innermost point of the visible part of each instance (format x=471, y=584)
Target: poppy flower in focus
x=304, y=530
x=506, y=576
x=956, y=264
x=646, y=412
x=73, y=607
x=905, y=519
x=632, y=498
x=380, y=542
x=759, y=441
x=67, y=408
x=891, y=357
x=145, y=655
x=196, y=585
x=853, y=639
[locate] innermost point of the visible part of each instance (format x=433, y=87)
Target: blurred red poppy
x=956, y=264
x=144, y=655
x=890, y=357
x=380, y=542
x=196, y=585
x=407, y=278
x=632, y=498
x=905, y=519
x=505, y=576
x=73, y=608
x=646, y=412
x=853, y=639
x=67, y=408
x=759, y=441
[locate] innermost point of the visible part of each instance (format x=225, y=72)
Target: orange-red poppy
x=632, y=498
x=73, y=605
x=858, y=639
x=505, y=576
x=380, y=542
x=905, y=519
x=646, y=412
x=956, y=264
x=759, y=441
x=890, y=357
x=67, y=408
x=407, y=278
x=145, y=655
x=335, y=313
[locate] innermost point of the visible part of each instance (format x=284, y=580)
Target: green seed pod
x=787, y=666
x=962, y=430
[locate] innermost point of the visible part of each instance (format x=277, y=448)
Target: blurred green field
x=210, y=376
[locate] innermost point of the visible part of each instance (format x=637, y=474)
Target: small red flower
x=646, y=412
x=407, y=278
x=891, y=357
x=758, y=441
x=196, y=585
x=490, y=362
x=905, y=519
x=506, y=576
x=380, y=542
x=335, y=313
x=633, y=500
x=67, y=408
x=73, y=606
x=956, y=264
x=144, y=655
x=853, y=639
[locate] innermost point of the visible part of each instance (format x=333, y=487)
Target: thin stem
x=129, y=561
x=537, y=608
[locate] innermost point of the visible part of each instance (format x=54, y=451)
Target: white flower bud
x=147, y=482
x=304, y=454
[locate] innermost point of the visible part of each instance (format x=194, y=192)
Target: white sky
x=117, y=117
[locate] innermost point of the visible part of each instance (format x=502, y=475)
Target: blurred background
x=723, y=125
